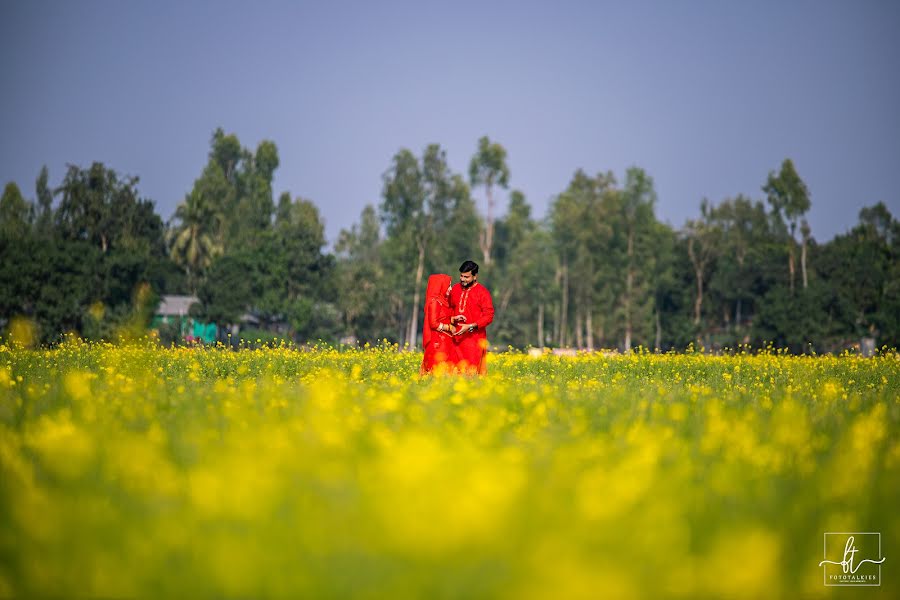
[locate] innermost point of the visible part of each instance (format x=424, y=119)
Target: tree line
x=599, y=270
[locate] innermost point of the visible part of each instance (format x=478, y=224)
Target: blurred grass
x=141, y=471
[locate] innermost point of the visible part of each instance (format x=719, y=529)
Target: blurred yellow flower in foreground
x=22, y=332
x=136, y=470
x=65, y=449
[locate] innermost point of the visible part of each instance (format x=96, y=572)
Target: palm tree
x=194, y=240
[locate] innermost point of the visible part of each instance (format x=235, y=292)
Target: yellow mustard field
x=141, y=471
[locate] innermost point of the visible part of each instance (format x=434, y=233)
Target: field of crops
x=141, y=471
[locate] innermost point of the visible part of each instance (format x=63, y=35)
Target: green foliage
x=488, y=165
x=44, y=206
x=50, y=282
x=862, y=270
x=524, y=288
x=361, y=280
x=229, y=289
x=787, y=194
x=673, y=326
x=196, y=231
x=284, y=280
x=792, y=321
x=230, y=204
x=430, y=223
x=637, y=248
x=598, y=271
x=488, y=168
x=14, y=211
x=96, y=265
x=744, y=228
x=582, y=220
x=104, y=210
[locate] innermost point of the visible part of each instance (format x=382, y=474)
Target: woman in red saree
x=437, y=340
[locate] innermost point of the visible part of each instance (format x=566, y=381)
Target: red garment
x=438, y=345
x=476, y=304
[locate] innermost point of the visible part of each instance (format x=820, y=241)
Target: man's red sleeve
x=487, y=310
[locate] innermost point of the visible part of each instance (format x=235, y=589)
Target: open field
x=140, y=471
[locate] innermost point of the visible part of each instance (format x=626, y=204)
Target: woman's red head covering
x=437, y=287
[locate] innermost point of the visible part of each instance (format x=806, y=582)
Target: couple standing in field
x=454, y=333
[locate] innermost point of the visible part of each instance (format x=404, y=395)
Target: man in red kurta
x=473, y=310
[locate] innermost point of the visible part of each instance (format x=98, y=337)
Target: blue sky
x=708, y=97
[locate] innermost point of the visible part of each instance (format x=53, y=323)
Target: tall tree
x=409, y=221
x=525, y=262
x=665, y=282
x=488, y=168
x=510, y=232
x=637, y=201
x=237, y=185
x=227, y=153
x=507, y=277
x=303, y=288
x=703, y=241
x=115, y=239
x=862, y=271
x=789, y=198
x=422, y=200
x=90, y=203
x=44, y=207
x=360, y=274
x=878, y=221
x=581, y=218
x=52, y=281
x=284, y=278
x=459, y=231
x=744, y=229
x=105, y=210
x=535, y=264
x=254, y=204
x=13, y=212
x=193, y=235
x=805, y=235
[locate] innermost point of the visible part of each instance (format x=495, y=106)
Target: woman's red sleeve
x=432, y=315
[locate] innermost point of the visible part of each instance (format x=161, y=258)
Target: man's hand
x=468, y=329
x=457, y=319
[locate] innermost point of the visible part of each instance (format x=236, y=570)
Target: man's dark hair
x=469, y=266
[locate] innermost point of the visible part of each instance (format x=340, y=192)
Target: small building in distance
x=173, y=316
x=173, y=309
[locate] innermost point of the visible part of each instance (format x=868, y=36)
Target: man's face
x=467, y=278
